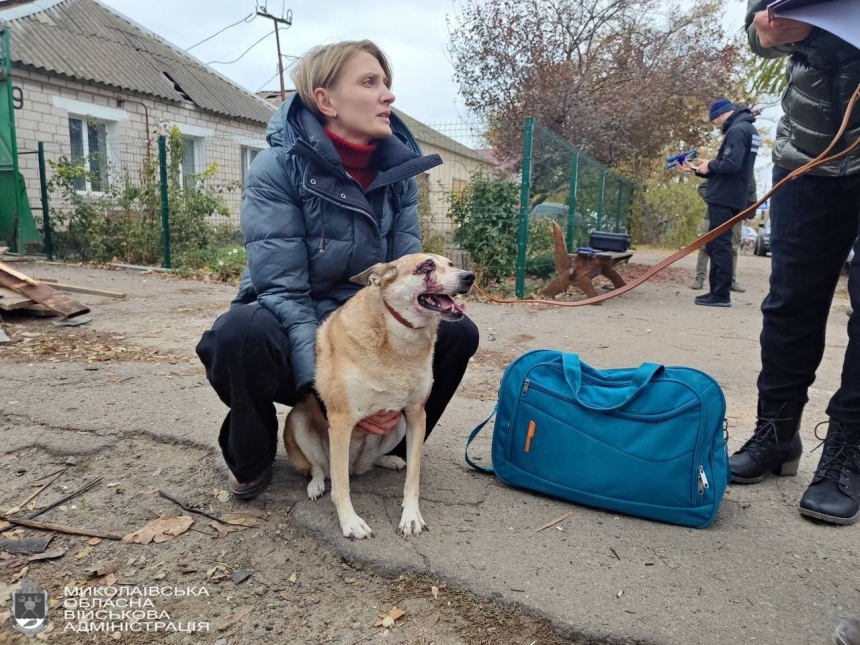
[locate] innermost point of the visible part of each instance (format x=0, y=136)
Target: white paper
x=839, y=17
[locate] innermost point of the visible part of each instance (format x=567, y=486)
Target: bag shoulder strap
x=474, y=434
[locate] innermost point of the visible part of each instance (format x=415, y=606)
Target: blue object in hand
x=684, y=157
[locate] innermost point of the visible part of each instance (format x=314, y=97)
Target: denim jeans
x=814, y=223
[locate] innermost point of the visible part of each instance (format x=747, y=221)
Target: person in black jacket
x=729, y=177
x=814, y=226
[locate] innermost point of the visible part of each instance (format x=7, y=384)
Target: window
x=248, y=155
x=193, y=160
x=458, y=187
x=89, y=146
x=188, y=167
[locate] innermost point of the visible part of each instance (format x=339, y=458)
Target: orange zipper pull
x=530, y=435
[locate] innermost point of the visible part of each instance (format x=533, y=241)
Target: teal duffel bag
x=648, y=441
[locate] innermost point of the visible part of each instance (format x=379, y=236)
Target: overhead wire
x=249, y=18
x=235, y=60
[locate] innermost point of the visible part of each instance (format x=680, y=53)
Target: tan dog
x=375, y=353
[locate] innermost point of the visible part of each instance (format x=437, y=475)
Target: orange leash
x=700, y=242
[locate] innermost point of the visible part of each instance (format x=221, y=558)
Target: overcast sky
x=413, y=33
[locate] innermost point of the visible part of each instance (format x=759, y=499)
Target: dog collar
x=398, y=317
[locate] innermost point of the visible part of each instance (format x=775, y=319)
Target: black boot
x=775, y=447
x=834, y=494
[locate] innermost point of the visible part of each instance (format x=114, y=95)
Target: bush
x=486, y=219
x=124, y=222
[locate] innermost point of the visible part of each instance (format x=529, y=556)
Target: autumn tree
x=618, y=78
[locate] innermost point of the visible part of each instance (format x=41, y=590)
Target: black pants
x=247, y=359
x=814, y=223
x=720, y=251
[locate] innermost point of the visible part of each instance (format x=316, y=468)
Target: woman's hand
x=380, y=423
x=780, y=31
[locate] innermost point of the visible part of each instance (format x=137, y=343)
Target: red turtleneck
x=355, y=158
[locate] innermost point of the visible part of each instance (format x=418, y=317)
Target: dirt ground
x=125, y=399
x=268, y=583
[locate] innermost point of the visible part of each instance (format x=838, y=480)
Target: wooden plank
x=60, y=286
x=17, y=274
x=41, y=293
x=10, y=300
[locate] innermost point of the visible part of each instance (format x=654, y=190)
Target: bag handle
x=474, y=434
x=573, y=374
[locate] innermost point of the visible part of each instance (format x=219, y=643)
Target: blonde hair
x=321, y=67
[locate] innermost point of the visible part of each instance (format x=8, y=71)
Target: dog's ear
x=378, y=275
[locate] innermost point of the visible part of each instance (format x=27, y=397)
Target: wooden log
x=41, y=293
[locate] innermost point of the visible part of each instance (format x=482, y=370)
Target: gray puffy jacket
x=309, y=227
x=823, y=72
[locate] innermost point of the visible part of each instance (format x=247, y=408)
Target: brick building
x=93, y=81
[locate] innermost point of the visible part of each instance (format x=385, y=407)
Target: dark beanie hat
x=720, y=106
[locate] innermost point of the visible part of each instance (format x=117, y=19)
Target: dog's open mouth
x=441, y=303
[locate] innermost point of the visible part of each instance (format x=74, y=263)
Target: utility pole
x=288, y=21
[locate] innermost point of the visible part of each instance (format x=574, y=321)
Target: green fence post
x=525, y=189
x=165, y=206
x=571, y=200
x=618, y=205
x=600, y=198
x=46, y=217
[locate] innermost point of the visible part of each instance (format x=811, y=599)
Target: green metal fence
x=563, y=184
x=151, y=201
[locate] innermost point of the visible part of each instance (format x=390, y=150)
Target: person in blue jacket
x=335, y=193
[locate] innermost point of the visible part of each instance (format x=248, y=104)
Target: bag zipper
x=657, y=417
x=703, y=481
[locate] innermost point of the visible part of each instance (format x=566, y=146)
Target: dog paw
x=411, y=522
x=390, y=461
x=355, y=527
x=316, y=489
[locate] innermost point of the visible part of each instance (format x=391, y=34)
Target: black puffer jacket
x=823, y=72
x=731, y=173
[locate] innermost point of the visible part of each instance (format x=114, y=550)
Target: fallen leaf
x=94, y=541
x=50, y=554
x=163, y=529
x=20, y=574
x=108, y=581
x=224, y=529
x=80, y=555
x=249, y=522
x=387, y=620
x=112, y=484
x=288, y=597
x=435, y=591
x=101, y=569
x=248, y=513
x=222, y=495
x=294, y=577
